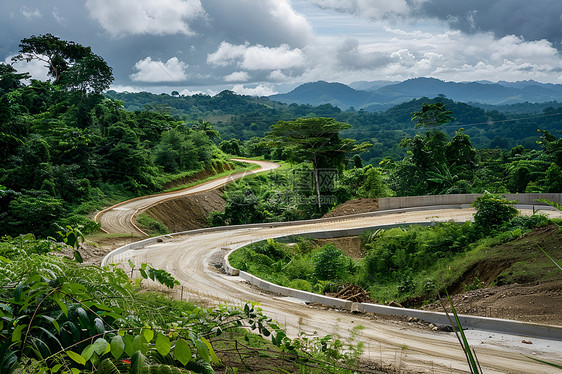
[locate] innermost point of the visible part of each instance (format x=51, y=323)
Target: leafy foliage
x=303, y=265
x=493, y=211
x=432, y=115
x=58, y=316
x=65, y=150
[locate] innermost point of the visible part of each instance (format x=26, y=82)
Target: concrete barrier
x=472, y=322
x=386, y=203
x=291, y=292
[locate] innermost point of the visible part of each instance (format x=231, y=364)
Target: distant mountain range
x=381, y=95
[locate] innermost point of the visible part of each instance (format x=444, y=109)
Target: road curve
x=407, y=348
x=118, y=218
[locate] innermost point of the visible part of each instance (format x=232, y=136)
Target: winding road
x=404, y=346
x=119, y=218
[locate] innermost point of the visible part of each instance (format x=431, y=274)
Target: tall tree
x=426, y=165
x=432, y=116
x=316, y=140
x=69, y=63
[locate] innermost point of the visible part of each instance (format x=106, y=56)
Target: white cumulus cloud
x=152, y=71
x=237, y=76
x=257, y=57
x=161, y=17
x=405, y=57
x=259, y=90
x=37, y=69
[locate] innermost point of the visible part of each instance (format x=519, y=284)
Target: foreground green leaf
x=182, y=351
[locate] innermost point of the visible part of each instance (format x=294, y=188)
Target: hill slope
x=378, y=96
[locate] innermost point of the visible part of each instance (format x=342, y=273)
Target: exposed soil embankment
x=533, y=293
x=355, y=206
x=350, y=245
x=189, y=212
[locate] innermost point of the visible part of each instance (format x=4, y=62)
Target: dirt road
x=404, y=346
x=118, y=219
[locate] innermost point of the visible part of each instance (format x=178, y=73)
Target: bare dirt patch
x=189, y=212
x=516, y=281
x=350, y=245
x=355, y=206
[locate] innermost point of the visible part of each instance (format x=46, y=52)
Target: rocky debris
x=444, y=328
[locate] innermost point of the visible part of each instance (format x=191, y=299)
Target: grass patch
x=150, y=225
x=239, y=168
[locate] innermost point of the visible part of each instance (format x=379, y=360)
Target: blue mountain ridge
x=377, y=96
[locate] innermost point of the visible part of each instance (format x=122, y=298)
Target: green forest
x=69, y=147
x=68, y=150
x=247, y=118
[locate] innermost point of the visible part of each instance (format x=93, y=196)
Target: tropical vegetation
x=68, y=148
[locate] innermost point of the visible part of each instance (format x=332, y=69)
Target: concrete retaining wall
x=291, y=292
x=473, y=322
x=386, y=203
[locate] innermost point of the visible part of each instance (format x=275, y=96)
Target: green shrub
x=301, y=284
x=261, y=259
x=492, y=211
x=300, y=267
x=276, y=251
x=329, y=263
x=153, y=226
x=526, y=223
x=406, y=284
x=216, y=218
x=390, y=253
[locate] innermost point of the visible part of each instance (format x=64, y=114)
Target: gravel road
x=399, y=344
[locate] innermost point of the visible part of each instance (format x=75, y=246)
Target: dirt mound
x=350, y=245
x=355, y=206
x=189, y=212
x=541, y=303
x=529, y=286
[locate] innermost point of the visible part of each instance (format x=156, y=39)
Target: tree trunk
x=315, y=165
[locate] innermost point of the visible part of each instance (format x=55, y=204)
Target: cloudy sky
x=267, y=46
